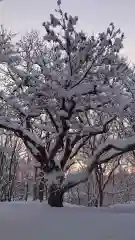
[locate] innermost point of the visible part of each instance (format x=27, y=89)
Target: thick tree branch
x=74, y=153
x=118, y=147
x=31, y=140
x=63, y=130
x=67, y=153
x=52, y=119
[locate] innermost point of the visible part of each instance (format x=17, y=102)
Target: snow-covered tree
x=70, y=88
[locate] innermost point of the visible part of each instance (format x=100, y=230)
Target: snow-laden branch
x=113, y=148
x=105, y=152
x=31, y=140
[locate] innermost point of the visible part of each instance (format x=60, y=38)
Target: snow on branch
x=113, y=148
x=32, y=141
x=106, y=152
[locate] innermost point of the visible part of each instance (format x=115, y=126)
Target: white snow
x=54, y=177
x=117, y=146
x=76, y=177
x=63, y=113
x=80, y=90
x=37, y=221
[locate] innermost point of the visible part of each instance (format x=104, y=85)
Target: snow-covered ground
x=37, y=221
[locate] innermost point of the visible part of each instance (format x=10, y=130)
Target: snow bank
x=128, y=207
x=37, y=221
x=72, y=205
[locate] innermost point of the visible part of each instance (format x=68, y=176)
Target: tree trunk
x=34, y=192
x=55, y=196
x=99, y=178
x=101, y=197
x=41, y=190
x=35, y=189
x=26, y=191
